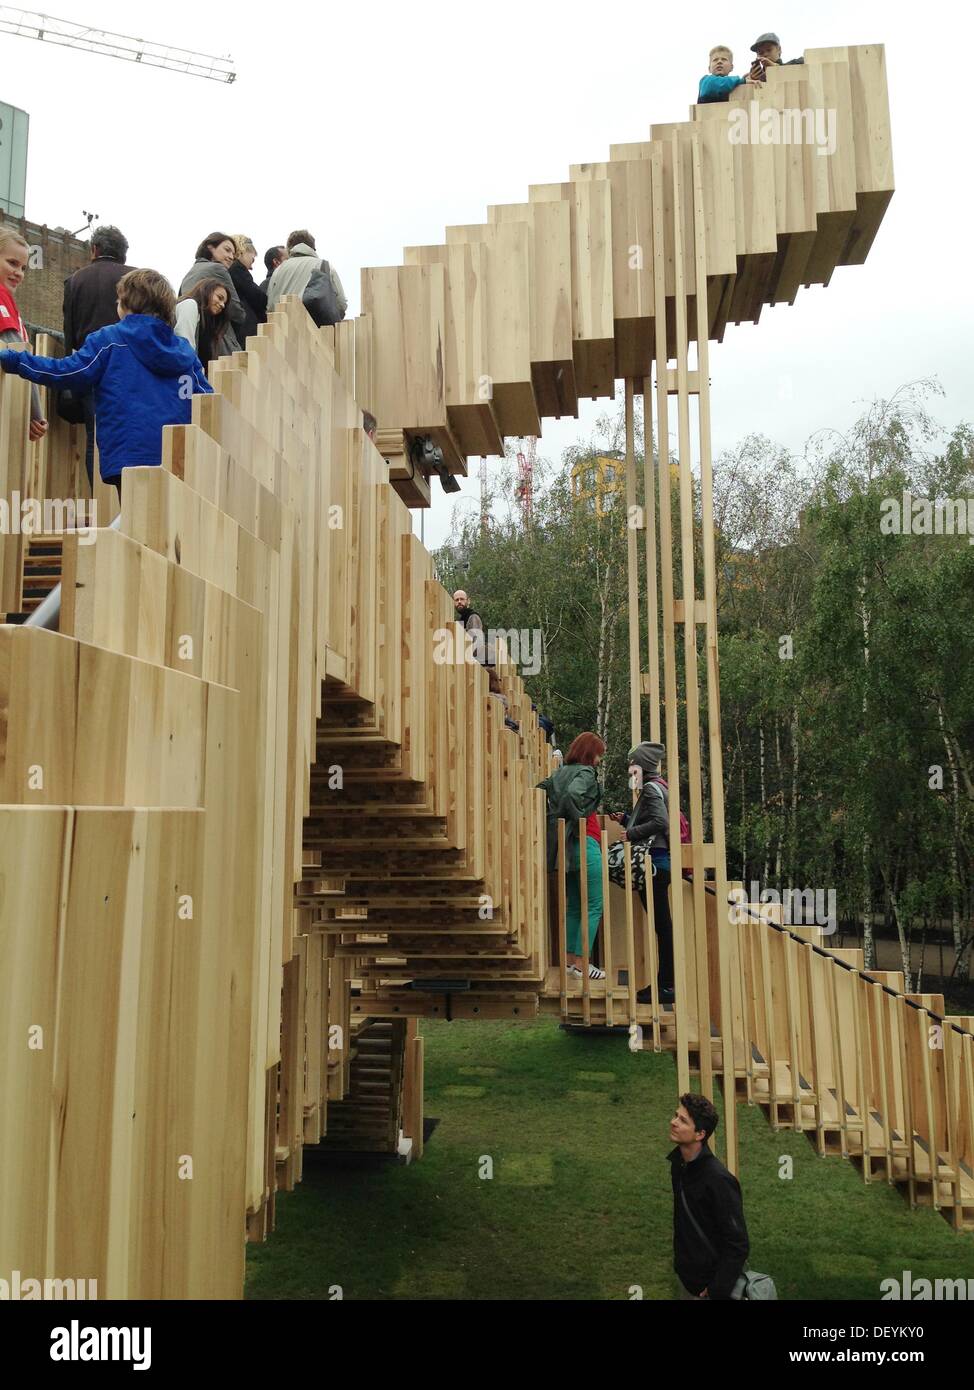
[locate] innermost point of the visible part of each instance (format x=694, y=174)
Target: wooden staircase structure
x=256, y=821
x=369, y=1116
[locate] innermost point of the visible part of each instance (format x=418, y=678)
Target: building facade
x=54, y=255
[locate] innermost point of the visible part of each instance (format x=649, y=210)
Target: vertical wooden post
x=879, y=1014
x=728, y=936
x=630, y=933
x=606, y=930
x=632, y=569
x=691, y=680
x=416, y=1062
x=583, y=919
x=562, y=929
x=652, y=586
x=652, y=954
x=672, y=737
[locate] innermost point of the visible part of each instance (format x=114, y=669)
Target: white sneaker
x=573, y=972
x=594, y=973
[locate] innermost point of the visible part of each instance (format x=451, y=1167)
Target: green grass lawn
x=579, y=1205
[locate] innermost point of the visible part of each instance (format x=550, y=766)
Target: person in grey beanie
x=649, y=824
x=767, y=47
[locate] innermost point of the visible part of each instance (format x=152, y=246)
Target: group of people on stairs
x=135, y=353
x=574, y=793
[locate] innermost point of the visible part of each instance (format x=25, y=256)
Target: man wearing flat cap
x=767, y=48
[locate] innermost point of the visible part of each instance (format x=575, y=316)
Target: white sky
x=378, y=125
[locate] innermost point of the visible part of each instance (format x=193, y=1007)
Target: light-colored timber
x=257, y=817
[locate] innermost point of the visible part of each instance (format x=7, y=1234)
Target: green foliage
x=847, y=663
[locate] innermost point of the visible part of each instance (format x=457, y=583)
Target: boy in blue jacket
x=718, y=83
x=142, y=375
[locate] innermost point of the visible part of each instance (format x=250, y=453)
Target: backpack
x=319, y=297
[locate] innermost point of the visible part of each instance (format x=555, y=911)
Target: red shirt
x=592, y=828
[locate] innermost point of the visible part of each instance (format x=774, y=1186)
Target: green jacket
x=573, y=792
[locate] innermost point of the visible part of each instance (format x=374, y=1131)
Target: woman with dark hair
x=214, y=257
x=573, y=793
x=202, y=319
x=250, y=294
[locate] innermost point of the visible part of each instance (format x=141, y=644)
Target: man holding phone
x=767, y=48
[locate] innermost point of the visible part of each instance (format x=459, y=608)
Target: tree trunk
x=793, y=830
x=781, y=803
x=743, y=829
x=610, y=658
x=764, y=880
x=962, y=957
x=868, y=944
x=903, y=932
x=603, y=637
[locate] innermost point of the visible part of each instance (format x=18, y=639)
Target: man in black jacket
x=710, y=1244
x=90, y=302
x=273, y=257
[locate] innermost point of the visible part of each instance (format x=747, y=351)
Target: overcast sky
x=378, y=125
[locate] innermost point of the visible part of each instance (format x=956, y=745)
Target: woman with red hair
x=573, y=793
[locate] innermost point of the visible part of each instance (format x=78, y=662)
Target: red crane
x=524, y=492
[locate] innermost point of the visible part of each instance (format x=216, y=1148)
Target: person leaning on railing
x=214, y=257
x=718, y=82
x=574, y=793
x=203, y=319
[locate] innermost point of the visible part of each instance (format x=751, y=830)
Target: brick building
x=55, y=254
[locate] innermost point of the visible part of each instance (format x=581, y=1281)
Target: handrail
x=47, y=614
x=844, y=965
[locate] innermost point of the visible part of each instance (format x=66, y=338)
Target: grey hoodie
x=292, y=276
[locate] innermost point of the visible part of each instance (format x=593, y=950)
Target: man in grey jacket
x=292, y=275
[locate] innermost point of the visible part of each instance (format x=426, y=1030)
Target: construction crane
x=525, y=478
x=30, y=24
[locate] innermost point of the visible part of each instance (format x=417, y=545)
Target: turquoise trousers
x=573, y=900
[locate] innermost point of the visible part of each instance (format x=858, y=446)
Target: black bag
x=320, y=299
x=70, y=406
